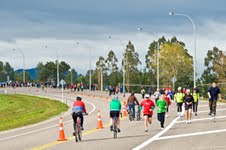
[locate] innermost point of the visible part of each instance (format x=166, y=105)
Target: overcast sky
x=43, y=28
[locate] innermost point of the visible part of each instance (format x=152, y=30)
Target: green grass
x=20, y=110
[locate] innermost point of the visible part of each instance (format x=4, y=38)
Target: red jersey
x=147, y=105
x=167, y=99
x=79, y=106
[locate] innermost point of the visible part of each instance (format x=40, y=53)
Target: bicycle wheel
x=115, y=131
x=76, y=133
x=79, y=133
x=138, y=115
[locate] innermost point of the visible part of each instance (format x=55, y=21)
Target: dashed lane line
x=70, y=138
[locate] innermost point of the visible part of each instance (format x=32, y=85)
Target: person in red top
x=78, y=110
x=148, y=106
x=167, y=99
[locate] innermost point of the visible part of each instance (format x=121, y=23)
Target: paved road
x=201, y=134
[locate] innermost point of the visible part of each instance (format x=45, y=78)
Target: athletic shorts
x=149, y=115
x=188, y=107
x=114, y=114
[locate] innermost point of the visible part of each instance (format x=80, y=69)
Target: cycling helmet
x=78, y=98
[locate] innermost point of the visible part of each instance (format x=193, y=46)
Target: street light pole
x=90, y=82
x=194, y=28
x=158, y=53
x=23, y=64
x=57, y=63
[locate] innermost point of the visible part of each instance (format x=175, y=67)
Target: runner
x=148, y=107
x=213, y=93
x=188, y=101
x=179, y=100
x=167, y=99
x=162, y=105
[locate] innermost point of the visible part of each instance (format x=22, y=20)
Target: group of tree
x=174, y=62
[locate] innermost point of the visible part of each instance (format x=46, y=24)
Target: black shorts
x=149, y=115
x=114, y=114
x=188, y=107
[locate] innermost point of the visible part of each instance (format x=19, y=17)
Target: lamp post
x=57, y=64
x=123, y=70
x=23, y=64
x=194, y=28
x=158, y=53
x=90, y=78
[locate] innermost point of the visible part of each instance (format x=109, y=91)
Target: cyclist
x=78, y=110
x=179, y=100
x=131, y=103
x=213, y=93
x=195, y=95
x=188, y=101
x=115, y=109
x=148, y=106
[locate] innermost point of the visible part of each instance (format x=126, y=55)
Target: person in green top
x=162, y=105
x=195, y=95
x=115, y=109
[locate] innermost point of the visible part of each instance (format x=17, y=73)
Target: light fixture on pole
x=194, y=28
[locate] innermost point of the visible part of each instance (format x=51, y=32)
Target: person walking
x=162, y=105
x=143, y=92
x=188, y=101
x=195, y=95
x=179, y=100
x=157, y=95
x=213, y=93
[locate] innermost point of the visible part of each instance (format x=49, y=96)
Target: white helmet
x=179, y=88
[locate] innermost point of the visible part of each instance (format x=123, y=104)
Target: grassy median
x=20, y=110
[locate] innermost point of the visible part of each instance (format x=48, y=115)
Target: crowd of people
x=163, y=98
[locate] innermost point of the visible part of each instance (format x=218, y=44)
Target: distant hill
x=33, y=72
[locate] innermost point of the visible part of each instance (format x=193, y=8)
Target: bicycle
x=115, y=128
x=78, y=130
x=131, y=118
x=138, y=113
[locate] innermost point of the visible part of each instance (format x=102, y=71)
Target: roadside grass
x=20, y=110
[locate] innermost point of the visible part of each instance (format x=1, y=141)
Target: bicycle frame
x=78, y=131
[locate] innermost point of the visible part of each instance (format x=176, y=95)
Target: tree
x=101, y=68
x=175, y=62
x=215, y=66
x=131, y=62
x=114, y=76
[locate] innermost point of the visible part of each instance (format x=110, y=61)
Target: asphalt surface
x=202, y=134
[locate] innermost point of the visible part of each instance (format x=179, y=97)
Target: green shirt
x=115, y=105
x=161, y=105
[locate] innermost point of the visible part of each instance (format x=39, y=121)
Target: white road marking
x=209, y=110
x=191, y=134
x=202, y=119
x=25, y=133
x=157, y=135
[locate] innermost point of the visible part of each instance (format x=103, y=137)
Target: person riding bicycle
x=78, y=110
x=131, y=103
x=115, y=109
